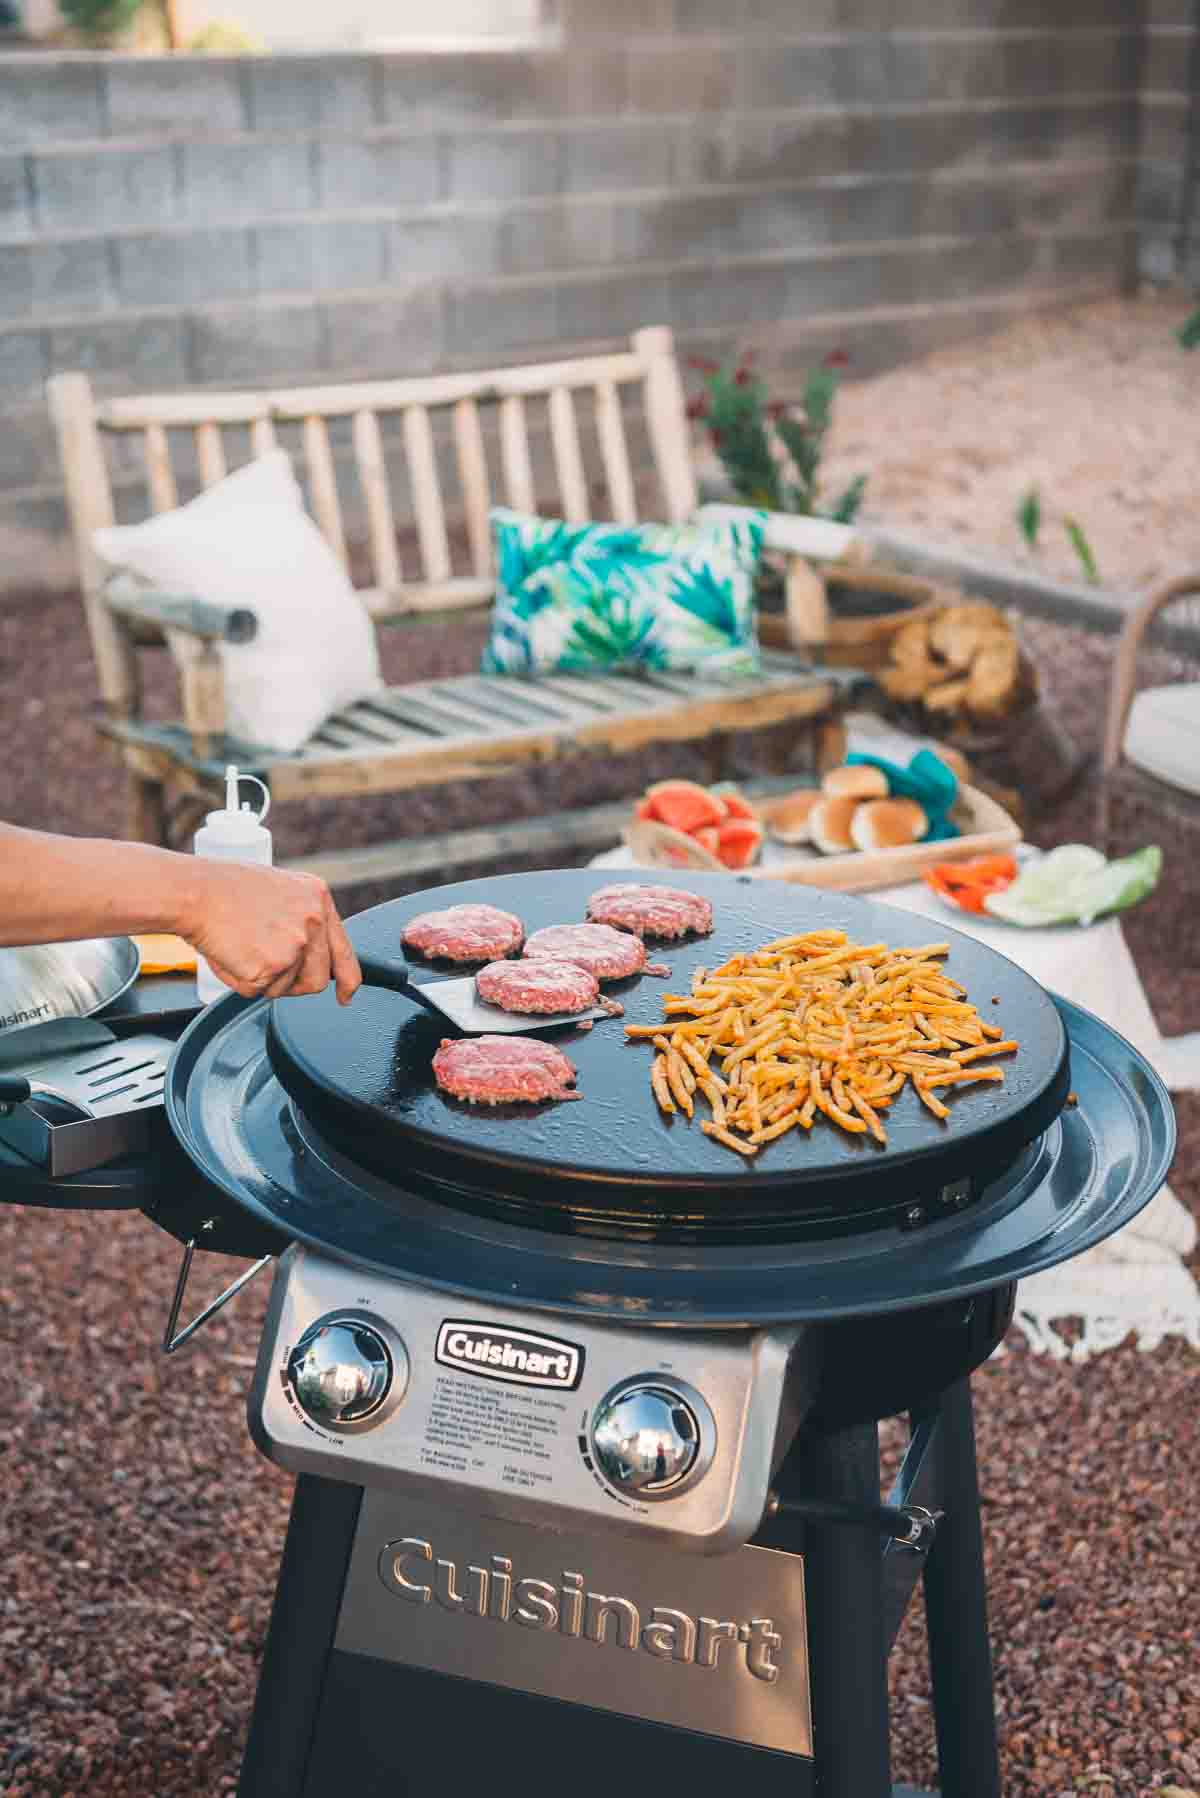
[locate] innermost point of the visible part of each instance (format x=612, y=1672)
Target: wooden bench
x=420, y=734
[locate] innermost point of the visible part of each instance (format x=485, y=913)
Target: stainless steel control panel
x=659, y=1433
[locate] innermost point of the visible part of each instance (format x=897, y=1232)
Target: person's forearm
x=54, y=888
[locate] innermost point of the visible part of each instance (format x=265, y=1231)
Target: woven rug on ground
x=1136, y=1282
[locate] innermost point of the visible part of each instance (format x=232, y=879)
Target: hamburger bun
x=788, y=817
x=888, y=824
x=829, y=824
x=856, y=782
x=954, y=759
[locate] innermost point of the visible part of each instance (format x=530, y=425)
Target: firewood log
x=947, y=697
x=910, y=645
x=992, y=682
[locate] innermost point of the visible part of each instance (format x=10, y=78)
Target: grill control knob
x=348, y=1372
x=652, y=1436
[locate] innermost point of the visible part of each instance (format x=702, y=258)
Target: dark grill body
x=583, y=1410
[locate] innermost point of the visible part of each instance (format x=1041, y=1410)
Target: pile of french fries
x=817, y=1025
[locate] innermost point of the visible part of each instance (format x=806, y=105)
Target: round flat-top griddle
x=361, y=1074
x=1092, y=1171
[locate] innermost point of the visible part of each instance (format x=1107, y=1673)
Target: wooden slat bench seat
x=436, y=731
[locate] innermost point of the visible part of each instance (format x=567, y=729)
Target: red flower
x=837, y=359
x=716, y=439
x=697, y=408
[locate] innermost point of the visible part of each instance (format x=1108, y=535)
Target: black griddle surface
x=1091, y=1172
x=363, y=1072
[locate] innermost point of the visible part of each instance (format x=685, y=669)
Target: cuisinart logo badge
x=517, y=1356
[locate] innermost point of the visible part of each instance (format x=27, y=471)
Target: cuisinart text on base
x=409, y=1569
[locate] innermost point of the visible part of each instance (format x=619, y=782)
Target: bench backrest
x=447, y=406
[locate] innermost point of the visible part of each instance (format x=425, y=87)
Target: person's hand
x=266, y=932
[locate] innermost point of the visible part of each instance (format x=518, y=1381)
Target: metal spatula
x=458, y=1001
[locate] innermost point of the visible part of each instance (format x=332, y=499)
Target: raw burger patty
x=497, y=1070
x=537, y=986
x=606, y=953
x=464, y=933
x=651, y=911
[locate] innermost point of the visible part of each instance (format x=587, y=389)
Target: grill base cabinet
x=388, y=1694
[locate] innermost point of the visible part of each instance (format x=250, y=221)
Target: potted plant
x=771, y=453
x=101, y=23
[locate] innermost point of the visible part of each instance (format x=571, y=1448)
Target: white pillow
x=249, y=542
x=1163, y=735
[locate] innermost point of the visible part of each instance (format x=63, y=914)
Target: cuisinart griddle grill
x=583, y=1409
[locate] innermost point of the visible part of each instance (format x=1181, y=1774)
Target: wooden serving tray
x=986, y=829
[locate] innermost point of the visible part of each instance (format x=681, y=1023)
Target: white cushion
x=1163, y=734
x=248, y=541
x=817, y=539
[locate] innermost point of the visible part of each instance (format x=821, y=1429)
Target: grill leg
x=960, y=1654
x=847, y=1642
x=308, y=1597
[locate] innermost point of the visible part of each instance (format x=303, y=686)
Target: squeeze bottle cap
x=239, y=823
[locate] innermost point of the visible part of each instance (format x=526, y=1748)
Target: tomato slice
x=967, y=884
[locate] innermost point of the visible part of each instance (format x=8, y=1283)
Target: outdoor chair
x=420, y=734
x=1150, y=763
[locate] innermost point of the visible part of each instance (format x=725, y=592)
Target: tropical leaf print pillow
x=586, y=599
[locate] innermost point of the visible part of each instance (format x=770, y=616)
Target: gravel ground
x=140, y=1530
x=1097, y=407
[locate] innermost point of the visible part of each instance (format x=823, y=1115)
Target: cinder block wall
x=1168, y=194
x=792, y=174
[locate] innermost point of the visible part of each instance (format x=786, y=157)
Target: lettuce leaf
x=1075, y=885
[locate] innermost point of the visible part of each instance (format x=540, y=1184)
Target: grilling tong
x=458, y=1001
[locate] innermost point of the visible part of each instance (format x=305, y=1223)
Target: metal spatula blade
x=458, y=1001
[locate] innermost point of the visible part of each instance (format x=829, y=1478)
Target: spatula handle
x=394, y=977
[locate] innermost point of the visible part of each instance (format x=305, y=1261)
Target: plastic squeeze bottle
x=236, y=834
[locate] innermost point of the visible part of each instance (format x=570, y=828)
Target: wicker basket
x=867, y=606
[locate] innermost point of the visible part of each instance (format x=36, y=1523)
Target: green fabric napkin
x=928, y=780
